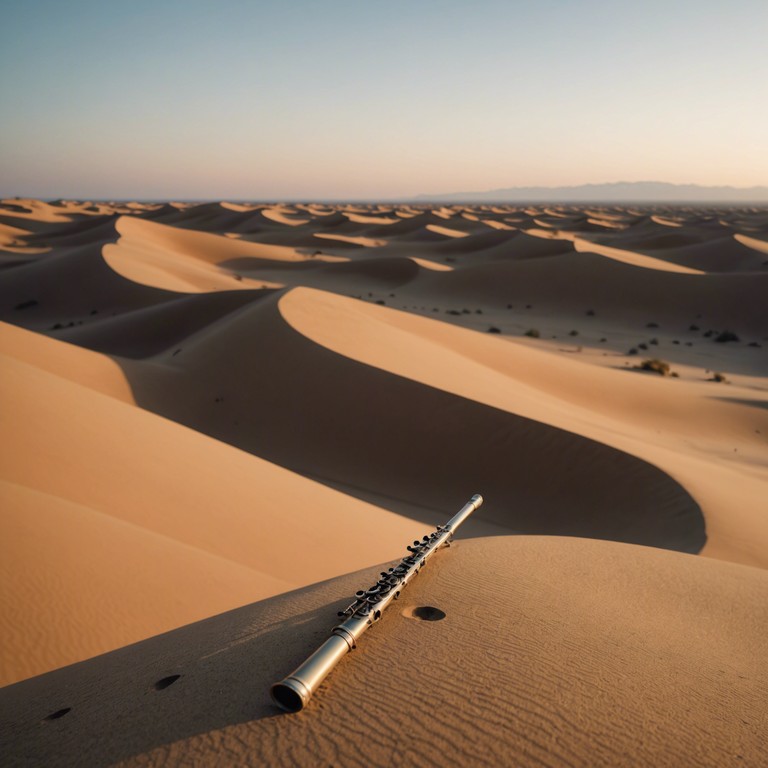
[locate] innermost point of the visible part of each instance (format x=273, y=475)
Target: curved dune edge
x=185, y=261
x=553, y=652
x=385, y=436
x=632, y=257
x=362, y=242
x=677, y=430
x=756, y=244
x=446, y=231
x=281, y=215
x=504, y=373
x=434, y=265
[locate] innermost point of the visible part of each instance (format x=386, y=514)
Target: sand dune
x=283, y=216
x=210, y=404
x=114, y=471
x=721, y=252
x=31, y=294
x=633, y=257
x=553, y=652
x=354, y=438
x=627, y=292
x=756, y=244
x=149, y=330
x=363, y=242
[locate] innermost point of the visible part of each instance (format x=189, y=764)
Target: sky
x=273, y=99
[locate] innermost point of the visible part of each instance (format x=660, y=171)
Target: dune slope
x=552, y=652
x=136, y=525
x=244, y=381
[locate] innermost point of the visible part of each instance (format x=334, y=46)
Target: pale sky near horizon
x=340, y=100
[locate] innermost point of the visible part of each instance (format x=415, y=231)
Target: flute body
x=293, y=693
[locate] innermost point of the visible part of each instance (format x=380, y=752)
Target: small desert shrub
x=573, y=333
x=654, y=366
x=726, y=336
x=651, y=325
x=590, y=313
x=533, y=333
x=632, y=351
x=753, y=344
x=643, y=346
x=718, y=377
x=494, y=329
x=693, y=328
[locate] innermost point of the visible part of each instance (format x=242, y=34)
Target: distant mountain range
x=621, y=191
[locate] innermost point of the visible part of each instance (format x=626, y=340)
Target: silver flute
x=293, y=693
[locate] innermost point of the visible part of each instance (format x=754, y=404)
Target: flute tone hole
x=424, y=613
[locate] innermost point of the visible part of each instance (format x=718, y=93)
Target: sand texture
x=552, y=652
x=213, y=412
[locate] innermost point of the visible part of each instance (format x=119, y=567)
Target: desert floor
x=219, y=418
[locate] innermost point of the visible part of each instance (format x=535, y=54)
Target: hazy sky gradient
x=337, y=99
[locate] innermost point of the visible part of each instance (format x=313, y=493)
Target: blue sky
x=337, y=99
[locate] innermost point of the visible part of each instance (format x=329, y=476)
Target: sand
x=553, y=652
x=211, y=408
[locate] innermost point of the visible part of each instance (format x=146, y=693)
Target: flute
x=293, y=693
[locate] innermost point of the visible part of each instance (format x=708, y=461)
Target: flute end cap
x=477, y=499
x=290, y=695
